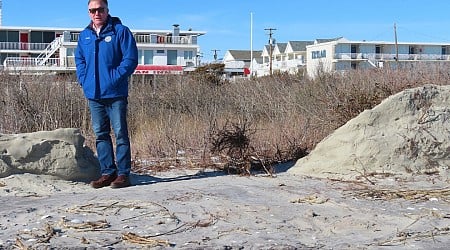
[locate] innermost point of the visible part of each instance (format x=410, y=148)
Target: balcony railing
x=142, y=39
x=29, y=62
x=152, y=39
x=23, y=46
x=389, y=57
x=74, y=36
x=158, y=39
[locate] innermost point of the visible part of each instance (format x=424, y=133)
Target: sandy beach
x=205, y=209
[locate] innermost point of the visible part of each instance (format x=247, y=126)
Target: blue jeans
x=107, y=113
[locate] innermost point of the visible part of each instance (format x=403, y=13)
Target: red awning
x=158, y=69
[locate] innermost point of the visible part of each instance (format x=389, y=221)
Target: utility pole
x=215, y=54
x=198, y=56
x=396, y=42
x=270, y=48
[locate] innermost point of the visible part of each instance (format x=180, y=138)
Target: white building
x=341, y=54
x=239, y=62
x=287, y=57
x=51, y=50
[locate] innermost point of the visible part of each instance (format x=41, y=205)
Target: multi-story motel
x=340, y=54
x=51, y=50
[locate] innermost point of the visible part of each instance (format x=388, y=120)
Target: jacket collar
x=108, y=26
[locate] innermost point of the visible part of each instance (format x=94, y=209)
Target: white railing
x=142, y=38
x=295, y=63
x=74, y=37
x=153, y=38
x=22, y=46
x=29, y=62
x=375, y=56
x=48, y=47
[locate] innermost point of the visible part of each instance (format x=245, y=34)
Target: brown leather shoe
x=104, y=181
x=121, y=181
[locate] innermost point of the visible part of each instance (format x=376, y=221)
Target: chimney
x=176, y=29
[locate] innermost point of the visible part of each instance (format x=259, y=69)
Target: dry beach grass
x=181, y=117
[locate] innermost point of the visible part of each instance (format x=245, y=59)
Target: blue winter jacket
x=105, y=62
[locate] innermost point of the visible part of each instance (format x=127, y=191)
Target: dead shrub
x=233, y=140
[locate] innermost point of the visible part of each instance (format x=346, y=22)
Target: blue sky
x=227, y=23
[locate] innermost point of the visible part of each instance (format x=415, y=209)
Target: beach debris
x=232, y=141
x=84, y=241
x=36, y=236
x=312, y=199
x=86, y=226
x=401, y=237
x=417, y=195
x=47, y=216
x=144, y=240
x=20, y=245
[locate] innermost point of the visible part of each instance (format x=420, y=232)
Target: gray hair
x=104, y=1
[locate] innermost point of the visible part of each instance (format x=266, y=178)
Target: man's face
x=98, y=12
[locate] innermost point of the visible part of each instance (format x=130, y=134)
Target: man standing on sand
x=105, y=57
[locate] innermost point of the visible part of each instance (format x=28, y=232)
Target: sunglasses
x=100, y=10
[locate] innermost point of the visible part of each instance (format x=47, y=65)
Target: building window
x=9, y=36
x=160, y=51
x=378, y=49
x=172, y=57
x=42, y=36
x=140, y=59
x=70, y=52
x=318, y=54
x=148, y=56
x=188, y=55
x=48, y=37
x=145, y=57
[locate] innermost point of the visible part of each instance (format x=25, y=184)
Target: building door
x=354, y=51
x=24, y=41
x=378, y=51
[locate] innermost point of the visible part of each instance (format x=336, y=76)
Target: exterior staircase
x=49, y=51
x=372, y=63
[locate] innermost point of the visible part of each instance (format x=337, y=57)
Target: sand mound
x=59, y=153
x=407, y=134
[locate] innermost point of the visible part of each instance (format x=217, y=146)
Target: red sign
x=158, y=70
